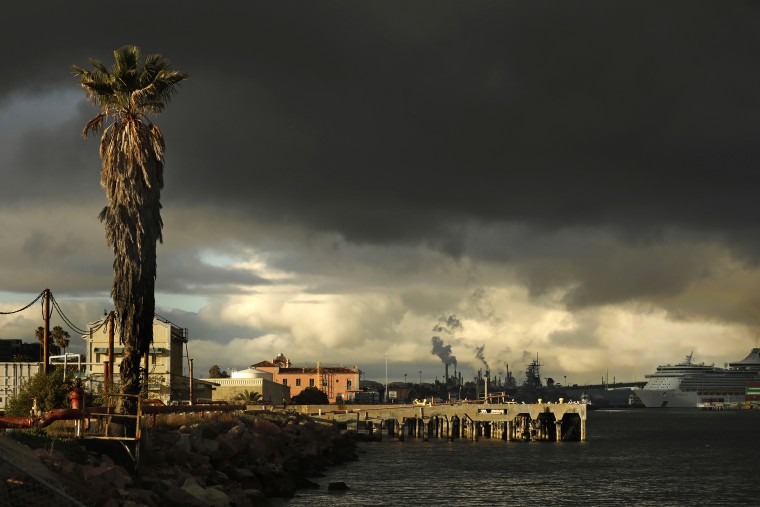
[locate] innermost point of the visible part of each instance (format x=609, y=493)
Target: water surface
x=632, y=457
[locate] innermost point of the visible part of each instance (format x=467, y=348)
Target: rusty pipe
x=48, y=418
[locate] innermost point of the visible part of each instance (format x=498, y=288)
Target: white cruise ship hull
x=675, y=398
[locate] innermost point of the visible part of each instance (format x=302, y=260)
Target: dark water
x=636, y=457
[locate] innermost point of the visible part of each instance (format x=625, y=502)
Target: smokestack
x=446, y=378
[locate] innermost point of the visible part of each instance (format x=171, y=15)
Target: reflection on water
x=636, y=457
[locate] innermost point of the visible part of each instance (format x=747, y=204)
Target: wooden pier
x=544, y=422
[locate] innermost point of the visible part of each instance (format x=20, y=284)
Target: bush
x=51, y=391
x=311, y=396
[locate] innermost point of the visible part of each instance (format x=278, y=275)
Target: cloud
x=343, y=176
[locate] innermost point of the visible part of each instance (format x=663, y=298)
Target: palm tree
x=54, y=339
x=132, y=151
x=61, y=337
x=248, y=396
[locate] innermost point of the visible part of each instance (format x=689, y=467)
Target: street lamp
x=404, y=378
x=386, y=378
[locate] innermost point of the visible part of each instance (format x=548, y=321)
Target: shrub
x=311, y=396
x=51, y=391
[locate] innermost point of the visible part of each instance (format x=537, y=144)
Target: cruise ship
x=688, y=384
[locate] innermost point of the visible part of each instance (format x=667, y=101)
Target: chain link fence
x=26, y=482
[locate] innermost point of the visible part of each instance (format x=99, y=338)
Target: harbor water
x=631, y=457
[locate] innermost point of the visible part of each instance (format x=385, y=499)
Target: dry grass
x=62, y=429
x=172, y=421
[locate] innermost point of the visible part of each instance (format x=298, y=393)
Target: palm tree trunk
x=135, y=229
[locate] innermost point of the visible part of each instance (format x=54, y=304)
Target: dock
x=543, y=422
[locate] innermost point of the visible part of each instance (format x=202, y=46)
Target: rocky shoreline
x=238, y=463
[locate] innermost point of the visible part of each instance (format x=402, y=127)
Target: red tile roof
x=323, y=369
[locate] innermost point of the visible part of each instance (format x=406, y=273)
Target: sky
x=346, y=181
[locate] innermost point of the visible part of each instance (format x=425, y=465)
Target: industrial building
x=167, y=366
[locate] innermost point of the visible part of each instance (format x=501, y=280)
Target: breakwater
x=240, y=460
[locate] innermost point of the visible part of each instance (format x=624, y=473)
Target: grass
x=36, y=438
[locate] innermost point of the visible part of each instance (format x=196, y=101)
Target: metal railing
x=110, y=422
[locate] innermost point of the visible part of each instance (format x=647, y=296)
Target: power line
x=58, y=309
x=24, y=308
x=69, y=322
x=65, y=319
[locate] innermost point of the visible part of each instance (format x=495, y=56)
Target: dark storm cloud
x=56, y=164
x=183, y=273
x=405, y=123
x=600, y=266
x=340, y=117
x=205, y=326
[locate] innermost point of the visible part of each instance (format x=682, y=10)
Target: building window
x=337, y=381
x=348, y=384
x=298, y=382
x=311, y=382
x=284, y=381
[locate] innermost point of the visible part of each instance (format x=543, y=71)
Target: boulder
x=175, y=496
x=114, y=475
x=144, y=497
x=211, y=497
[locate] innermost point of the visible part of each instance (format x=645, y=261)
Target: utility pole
x=386, y=378
x=46, y=333
x=191, y=382
x=109, y=376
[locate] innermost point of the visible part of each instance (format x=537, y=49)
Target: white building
x=12, y=375
x=252, y=381
x=167, y=365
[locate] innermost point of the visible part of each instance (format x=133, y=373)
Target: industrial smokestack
x=446, y=378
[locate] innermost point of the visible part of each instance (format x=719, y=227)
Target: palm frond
x=94, y=125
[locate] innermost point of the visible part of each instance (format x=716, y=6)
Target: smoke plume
x=448, y=325
x=480, y=356
x=443, y=351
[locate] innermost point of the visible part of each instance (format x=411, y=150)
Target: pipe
x=48, y=418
